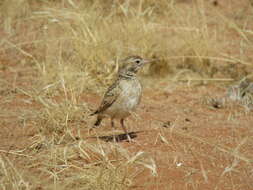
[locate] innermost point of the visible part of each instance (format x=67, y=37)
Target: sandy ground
x=194, y=144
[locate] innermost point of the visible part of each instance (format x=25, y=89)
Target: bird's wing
x=109, y=98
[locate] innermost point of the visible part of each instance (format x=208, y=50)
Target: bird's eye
x=138, y=61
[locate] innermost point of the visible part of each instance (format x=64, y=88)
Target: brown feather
x=109, y=98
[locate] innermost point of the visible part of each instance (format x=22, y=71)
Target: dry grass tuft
x=56, y=52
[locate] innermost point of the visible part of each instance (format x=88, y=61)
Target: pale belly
x=127, y=101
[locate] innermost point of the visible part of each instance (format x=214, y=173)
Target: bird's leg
x=125, y=130
x=113, y=127
x=112, y=123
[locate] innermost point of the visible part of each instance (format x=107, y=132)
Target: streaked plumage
x=124, y=95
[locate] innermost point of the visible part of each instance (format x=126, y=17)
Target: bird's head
x=132, y=64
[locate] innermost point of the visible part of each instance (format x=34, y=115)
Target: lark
x=124, y=95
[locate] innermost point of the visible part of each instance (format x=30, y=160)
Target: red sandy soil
x=192, y=143
x=200, y=142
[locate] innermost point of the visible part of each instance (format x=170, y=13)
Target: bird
x=124, y=95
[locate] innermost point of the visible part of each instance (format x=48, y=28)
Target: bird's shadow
x=118, y=138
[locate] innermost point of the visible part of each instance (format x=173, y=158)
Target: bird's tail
x=97, y=123
x=94, y=113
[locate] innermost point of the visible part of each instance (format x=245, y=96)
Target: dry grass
x=64, y=49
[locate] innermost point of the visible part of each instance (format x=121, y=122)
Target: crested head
x=131, y=65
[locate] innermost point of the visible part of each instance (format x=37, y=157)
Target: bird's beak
x=149, y=61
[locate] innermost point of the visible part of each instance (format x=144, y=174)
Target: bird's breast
x=128, y=99
x=131, y=93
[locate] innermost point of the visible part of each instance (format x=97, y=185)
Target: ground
x=194, y=145
x=181, y=140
